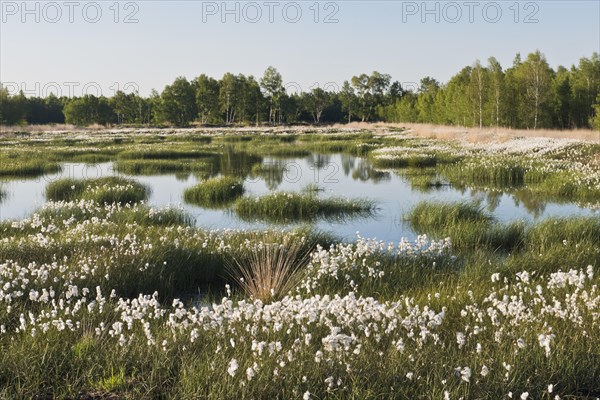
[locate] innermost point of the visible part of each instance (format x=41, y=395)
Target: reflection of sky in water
x=339, y=175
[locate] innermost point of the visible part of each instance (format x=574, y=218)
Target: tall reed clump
x=215, y=191
x=112, y=189
x=268, y=271
x=288, y=206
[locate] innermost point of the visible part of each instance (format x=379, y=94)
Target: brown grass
x=485, y=135
x=442, y=132
x=269, y=271
x=48, y=128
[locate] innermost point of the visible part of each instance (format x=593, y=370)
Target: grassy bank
x=26, y=168
x=157, y=166
x=286, y=207
x=215, y=192
x=101, y=190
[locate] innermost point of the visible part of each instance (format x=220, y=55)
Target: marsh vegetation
x=103, y=293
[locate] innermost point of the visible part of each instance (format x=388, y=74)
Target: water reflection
x=531, y=202
x=336, y=174
x=272, y=172
x=347, y=162
x=365, y=172
x=319, y=161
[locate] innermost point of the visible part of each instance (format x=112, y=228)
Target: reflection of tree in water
x=271, y=172
x=365, y=172
x=492, y=199
x=237, y=163
x=347, y=163
x=182, y=176
x=318, y=161
x=531, y=201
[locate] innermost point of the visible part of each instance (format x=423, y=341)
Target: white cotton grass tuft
x=233, y=367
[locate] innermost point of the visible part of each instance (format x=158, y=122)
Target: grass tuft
x=29, y=168
x=280, y=207
x=269, y=271
x=109, y=190
x=157, y=166
x=215, y=192
x=430, y=215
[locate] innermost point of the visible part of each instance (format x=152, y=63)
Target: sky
x=78, y=47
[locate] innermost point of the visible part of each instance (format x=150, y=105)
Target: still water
x=338, y=175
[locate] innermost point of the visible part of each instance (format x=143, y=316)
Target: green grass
x=102, y=190
x=159, y=166
x=92, y=158
x=422, y=179
x=27, y=168
x=288, y=207
x=567, y=185
x=134, y=251
x=175, y=350
x=559, y=183
x=553, y=231
x=501, y=172
x=413, y=161
x=467, y=225
x=289, y=151
x=429, y=215
x=152, y=154
x=215, y=192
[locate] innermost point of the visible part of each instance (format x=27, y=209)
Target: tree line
x=527, y=95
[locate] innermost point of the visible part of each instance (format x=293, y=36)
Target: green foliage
x=113, y=382
x=467, y=225
x=19, y=167
x=88, y=110
x=160, y=166
x=12, y=108
x=595, y=119
x=272, y=84
x=316, y=102
x=160, y=154
x=442, y=215
x=215, y=192
x=527, y=95
x=498, y=172
x=282, y=207
x=102, y=190
x=131, y=108
x=207, y=99
x=178, y=103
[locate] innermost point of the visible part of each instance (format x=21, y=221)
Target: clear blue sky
x=173, y=38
